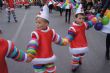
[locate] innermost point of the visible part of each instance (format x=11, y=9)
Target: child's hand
x=65, y=41
x=30, y=57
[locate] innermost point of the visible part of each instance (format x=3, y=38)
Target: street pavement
x=20, y=32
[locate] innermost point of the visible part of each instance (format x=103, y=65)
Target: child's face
x=80, y=18
x=41, y=23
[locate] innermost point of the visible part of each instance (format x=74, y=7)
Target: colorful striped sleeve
x=16, y=54
x=33, y=44
x=58, y=39
x=70, y=36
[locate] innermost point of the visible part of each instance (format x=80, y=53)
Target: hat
x=80, y=9
x=44, y=13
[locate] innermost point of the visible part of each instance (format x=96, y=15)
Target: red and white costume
x=44, y=51
x=79, y=44
x=7, y=49
x=41, y=44
x=10, y=5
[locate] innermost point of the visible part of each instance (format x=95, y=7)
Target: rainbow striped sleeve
x=58, y=39
x=16, y=54
x=70, y=36
x=32, y=46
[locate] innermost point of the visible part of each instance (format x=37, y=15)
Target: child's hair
x=44, y=20
x=79, y=14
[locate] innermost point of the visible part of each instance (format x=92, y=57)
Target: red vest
x=3, y=51
x=10, y=3
x=45, y=41
x=80, y=38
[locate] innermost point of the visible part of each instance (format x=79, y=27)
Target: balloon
x=94, y=20
x=98, y=15
x=107, y=11
x=98, y=26
x=77, y=5
x=90, y=17
x=108, y=15
x=105, y=20
x=90, y=23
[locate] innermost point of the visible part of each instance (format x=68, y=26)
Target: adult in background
x=106, y=29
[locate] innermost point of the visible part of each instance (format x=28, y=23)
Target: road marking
x=20, y=26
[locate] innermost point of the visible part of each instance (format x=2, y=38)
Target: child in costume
x=59, y=7
x=9, y=50
x=40, y=44
x=77, y=38
x=50, y=5
x=19, y=3
x=11, y=9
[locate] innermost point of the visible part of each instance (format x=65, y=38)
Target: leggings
x=77, y=60
x=67, y=14
x=44, y=68
x=9, y=14
x=107, y=45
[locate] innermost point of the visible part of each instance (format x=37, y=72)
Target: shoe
x=74, y=70
x=16, y=21
x=60, y=14
x=80, y=62
x=107, y=56
x=8, y=21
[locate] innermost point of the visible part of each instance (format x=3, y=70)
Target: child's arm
x=32, y=46
x=63, y=41
x=70, y=36
x=88, y=24
x=58, y=39
x=14, y=53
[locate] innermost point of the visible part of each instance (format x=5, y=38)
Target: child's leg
x=81, y=57
x=61, y=11
x=66, y=14
x=107, y=46
x=9, y=13
x=50, y=68
x=39, y=68
x=76, y=61
x=69, y=16
x=50, y=8
x=14, y=16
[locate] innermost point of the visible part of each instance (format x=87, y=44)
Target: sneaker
x=107, y=56
x=16, y=21
x=80, y=62
x=74, y=70
x=8, y=21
